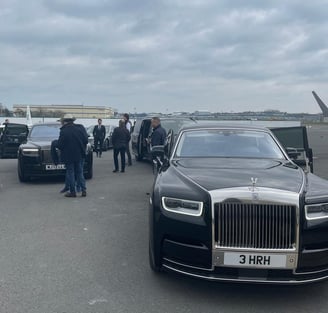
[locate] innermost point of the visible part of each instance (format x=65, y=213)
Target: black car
x=34, y=156
x=230, y=204
x=108, y=144
x=142, y=131
x=11, y=136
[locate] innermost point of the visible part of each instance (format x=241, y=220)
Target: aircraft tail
x=322, y=105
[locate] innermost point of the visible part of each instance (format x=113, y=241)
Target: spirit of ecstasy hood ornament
x=254, y=181
x=253, y=189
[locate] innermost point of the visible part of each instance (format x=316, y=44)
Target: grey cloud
x=191, y=54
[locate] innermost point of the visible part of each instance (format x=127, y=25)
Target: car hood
x=219, y=173
x=42, y=144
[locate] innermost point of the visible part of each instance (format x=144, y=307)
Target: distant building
x=53, y=110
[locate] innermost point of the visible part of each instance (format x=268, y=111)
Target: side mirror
x=157, y=151
x=293, y=153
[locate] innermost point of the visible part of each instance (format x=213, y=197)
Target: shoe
x=130, y=164
x=70, y=195
x=84, y=194
x=115, y=171
x=64, y=190
x=122, y=171
x=99, y=155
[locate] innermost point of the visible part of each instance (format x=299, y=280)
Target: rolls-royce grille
x=258, y=226
x=46, y=156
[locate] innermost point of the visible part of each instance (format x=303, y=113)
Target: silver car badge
x=253, y=189
x=254, y=181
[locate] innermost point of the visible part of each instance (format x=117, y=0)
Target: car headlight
x=30, y=151
x=316, y=211
x=181, y=206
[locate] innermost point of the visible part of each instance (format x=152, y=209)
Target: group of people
x=120, y=139
x=72, y=143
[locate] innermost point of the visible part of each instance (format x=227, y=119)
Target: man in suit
x=158, y=136
x=99, y=134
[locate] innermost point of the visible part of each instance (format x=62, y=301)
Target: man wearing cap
x=72, y=143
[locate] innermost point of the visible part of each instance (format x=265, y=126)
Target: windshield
x=228, y=144
x=45, y=131
x=15, y=130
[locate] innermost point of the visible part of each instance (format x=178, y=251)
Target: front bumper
x=187, y=245
x=195, y=261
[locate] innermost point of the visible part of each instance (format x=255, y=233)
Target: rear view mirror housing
x=293, y=153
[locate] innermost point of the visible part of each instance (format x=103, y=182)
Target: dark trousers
x=118, y=151
x=74, y=176
x=99, y=142
x=128, y=153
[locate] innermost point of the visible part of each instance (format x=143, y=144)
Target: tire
x=155, y=267
x=23, y=178
x=105, y=145
x=139, y=157
x=89, y=174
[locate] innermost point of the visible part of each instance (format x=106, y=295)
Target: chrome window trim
x=314, y=218
x=188, y=212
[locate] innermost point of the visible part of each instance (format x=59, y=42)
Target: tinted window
x=228, y=144
x=45, y=131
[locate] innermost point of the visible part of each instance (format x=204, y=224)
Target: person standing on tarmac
x=99, y=134
x=72, y=143
x=158, y=135
x=120, y=139
x=128, y=125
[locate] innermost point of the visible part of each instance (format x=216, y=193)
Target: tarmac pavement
x=90, y=255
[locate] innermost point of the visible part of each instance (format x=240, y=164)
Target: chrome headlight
x=181, y=206
x=33, y=152
x=316, y=211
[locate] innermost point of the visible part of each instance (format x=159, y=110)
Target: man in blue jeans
x=72, y=143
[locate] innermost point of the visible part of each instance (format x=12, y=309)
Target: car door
x=296, y=139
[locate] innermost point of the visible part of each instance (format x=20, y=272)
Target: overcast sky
x=168, y=55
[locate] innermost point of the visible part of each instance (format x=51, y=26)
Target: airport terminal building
x=79, y=111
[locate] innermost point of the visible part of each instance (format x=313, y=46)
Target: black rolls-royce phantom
x=230, y=204
x=34, y=156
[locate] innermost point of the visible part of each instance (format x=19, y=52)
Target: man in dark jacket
x=158, y=136
x=72, y=143
x=120, y=139
x=99, y=134
x=128, y=125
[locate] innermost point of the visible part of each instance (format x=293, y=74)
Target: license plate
x=255, y=260
x=53, y=167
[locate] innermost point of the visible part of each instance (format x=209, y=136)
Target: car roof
x=218, y=125
x=166, y=118
x=47, y=124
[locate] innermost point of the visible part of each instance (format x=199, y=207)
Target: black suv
x=11, y=137
x=143, y=130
